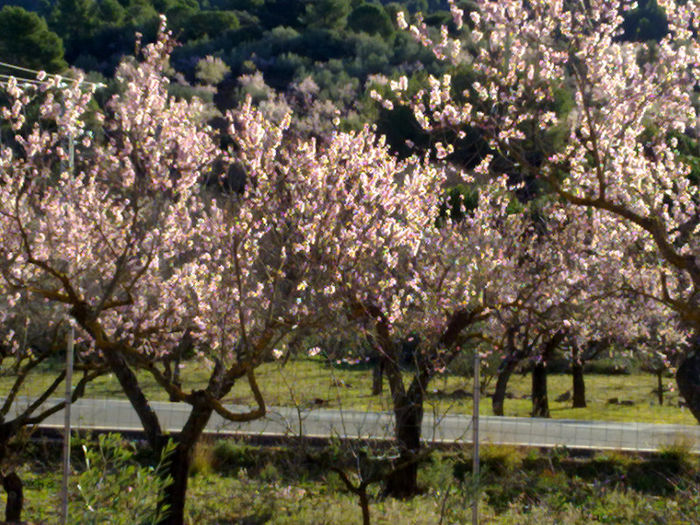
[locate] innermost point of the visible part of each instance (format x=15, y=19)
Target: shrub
x=230, y=456
x=114, y=488
x=501, y=459
x=202, y=459
x=677, y=455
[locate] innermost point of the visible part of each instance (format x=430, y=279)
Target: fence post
x=475, y=440
x=66, y=426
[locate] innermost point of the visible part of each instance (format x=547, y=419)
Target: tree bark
x=15, y=499
x=12, y=484
x=402, y=482
x=179, y=462
x=129, y=383
x=660, y=387
x=504, y=372
x=579, y=386
x=364, y=505
x=378, y=376
x=408, y=411
x=179, y=465
x=688, y=378
x=540, y=403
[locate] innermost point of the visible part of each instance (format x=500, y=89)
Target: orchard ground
x=232, y=482
x=314, y=383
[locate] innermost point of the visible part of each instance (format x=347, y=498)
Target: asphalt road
x=117, y=415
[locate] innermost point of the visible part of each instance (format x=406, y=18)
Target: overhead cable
x=36, y=73
x=6, y=78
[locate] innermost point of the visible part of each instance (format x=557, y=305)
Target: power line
x=50, y=75
x=5, y=84
x=20, y=80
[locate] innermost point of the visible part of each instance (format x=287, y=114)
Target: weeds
x=236, y=482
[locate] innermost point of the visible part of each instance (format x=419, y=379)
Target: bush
x=610, y=465
x=677, y=455
x=114, y=488
x=496, y=460
x=607, y=366
x=230, y=456
x=501, y=459
x=202, y=459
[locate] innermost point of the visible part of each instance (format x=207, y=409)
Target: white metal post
x=66, y=426
x=475, y=430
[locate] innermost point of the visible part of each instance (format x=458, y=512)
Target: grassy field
x=240, y=484
x=314, y=383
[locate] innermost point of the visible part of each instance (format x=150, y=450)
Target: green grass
x=313, y=383
x=517, y=487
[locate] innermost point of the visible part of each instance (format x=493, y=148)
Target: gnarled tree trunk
x=504, y=372
x=540, y=403
x=15, y=500
x=129, y=383
x=408, y=404
x=408, y=411
x=688, y=378
x=378, y=376
x=11, y=483
x=660, y=387
x=179, y=465
x=579, y=386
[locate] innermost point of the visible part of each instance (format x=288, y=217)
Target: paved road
x=114, y=414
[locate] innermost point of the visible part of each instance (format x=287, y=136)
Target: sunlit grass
x=517, y=487
x=313, y=383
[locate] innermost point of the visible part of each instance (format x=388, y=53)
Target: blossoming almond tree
x=398, y=272
x=612, y=314
x=148, y=260
x=619, y=151
x=94, y=237
x=364, y=222
x=131, y=244
x=439, y=293
x=573, y=297
x=535, y=324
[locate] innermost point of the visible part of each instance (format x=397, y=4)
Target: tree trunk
x=402, y=482
x=504, y=372
x=179, y=465
x=408, y=411
x=179, y=462
x=12, y=484
x=364, y=505
x=129, y=383
x=184, y=346
x=579, y=387
x=378, y=376
x=660, y=387
x=540, y=403
x=13, y=488
x=688, y=378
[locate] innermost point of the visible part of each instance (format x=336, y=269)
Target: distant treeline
x=319, y=57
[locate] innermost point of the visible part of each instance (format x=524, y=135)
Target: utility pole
x=66, y=426
x=69, y=384
x=475, y=436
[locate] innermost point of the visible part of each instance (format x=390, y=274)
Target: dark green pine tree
x=75, y=21
x=26, y=40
